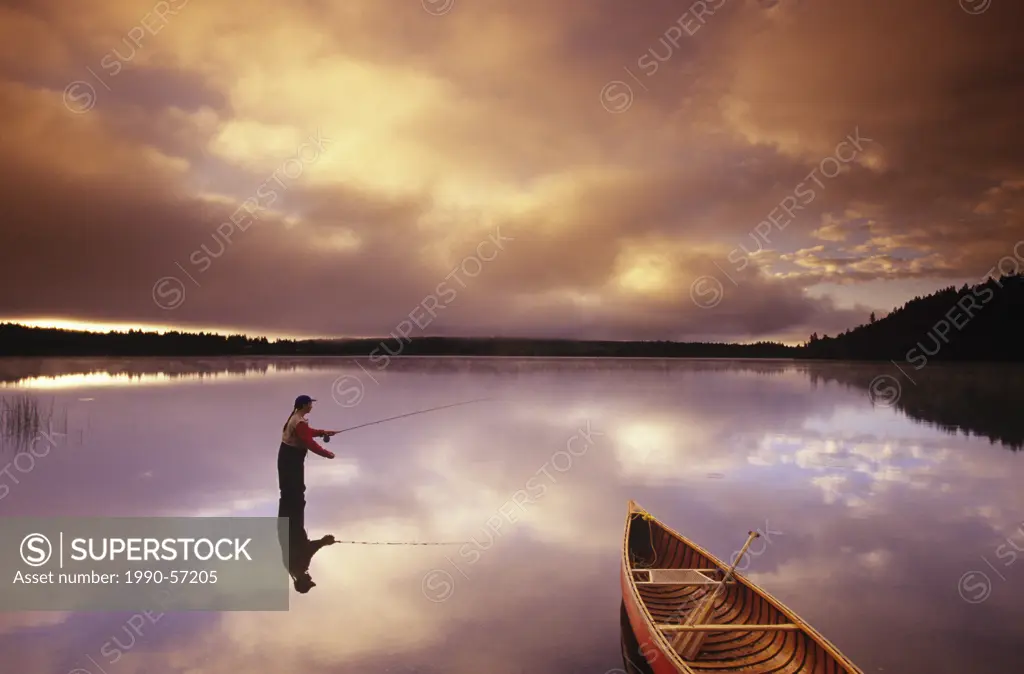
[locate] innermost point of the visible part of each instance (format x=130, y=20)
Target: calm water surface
x=892, y=509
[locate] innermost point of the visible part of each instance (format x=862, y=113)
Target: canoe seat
x=673, y=577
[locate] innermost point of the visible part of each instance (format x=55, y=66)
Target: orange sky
x=735, y=169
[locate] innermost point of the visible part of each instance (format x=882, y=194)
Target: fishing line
x=402, y=416
x=399, y=543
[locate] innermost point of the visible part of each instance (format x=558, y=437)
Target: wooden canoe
x=665, y=578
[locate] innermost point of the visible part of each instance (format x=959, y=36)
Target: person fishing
x=298, y=438
x=297, y=549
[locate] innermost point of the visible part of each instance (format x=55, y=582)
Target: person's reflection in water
x=296, y=549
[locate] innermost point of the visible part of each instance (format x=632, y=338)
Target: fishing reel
x=327, y=438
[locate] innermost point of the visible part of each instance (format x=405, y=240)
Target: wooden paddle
x=689, y=643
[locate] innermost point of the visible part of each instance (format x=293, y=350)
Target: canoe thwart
x=669, y=627
x=672, y=577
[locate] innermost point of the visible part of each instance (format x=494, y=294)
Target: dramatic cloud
x=732, y=170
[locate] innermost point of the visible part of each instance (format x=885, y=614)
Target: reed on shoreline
x=25, y=417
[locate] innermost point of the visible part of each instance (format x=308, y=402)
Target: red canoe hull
x=648, y=650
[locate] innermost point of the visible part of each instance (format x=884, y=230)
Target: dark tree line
x=984, y=322
x=17, y=340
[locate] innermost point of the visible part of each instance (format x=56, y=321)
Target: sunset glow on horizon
x=100, y=327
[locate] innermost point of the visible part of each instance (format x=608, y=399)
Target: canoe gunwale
x=662, y=643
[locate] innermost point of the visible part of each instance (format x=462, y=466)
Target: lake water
x=892, y=507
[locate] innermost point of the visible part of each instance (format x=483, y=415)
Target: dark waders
x=291, y=462
x=291, y=475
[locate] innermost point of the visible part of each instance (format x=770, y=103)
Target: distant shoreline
x=484, y=357
x=19, y=340
x=925, y=330
x=308, y=356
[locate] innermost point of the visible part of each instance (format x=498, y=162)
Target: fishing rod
x=409, y=414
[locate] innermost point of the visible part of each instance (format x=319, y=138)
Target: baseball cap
x=303, y=400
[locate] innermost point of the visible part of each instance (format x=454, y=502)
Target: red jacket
x=298, y=433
